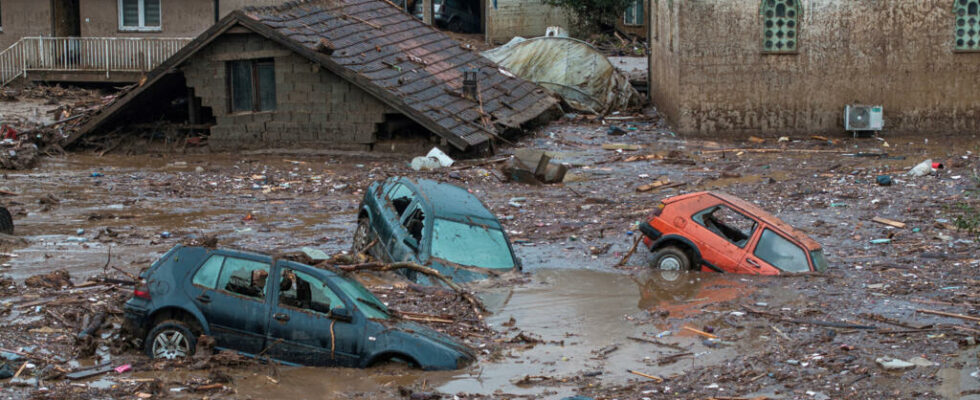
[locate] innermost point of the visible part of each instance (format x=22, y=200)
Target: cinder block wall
x=314, y=106
x=899, y=54
x=526, y=18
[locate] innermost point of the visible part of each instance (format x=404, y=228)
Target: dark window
x=139, y=14
x=727, y=223
x=966, y=14
x=252, y=84
x=780, y=26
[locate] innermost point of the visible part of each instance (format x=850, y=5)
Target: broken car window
x=303, y=291
x=471, y=245
x=399, y=198
x=727, y=223
x=414, y=223
x=244, y=277
x=781, y=253
x=207, y=276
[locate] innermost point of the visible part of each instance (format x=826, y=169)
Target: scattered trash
x=894, y=364
x=884, y=180
x=433, y=160
x=880, y=241
x=924, y=168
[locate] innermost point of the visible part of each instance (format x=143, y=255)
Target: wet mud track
x=567, y=328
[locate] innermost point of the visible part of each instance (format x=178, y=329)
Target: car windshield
x=367, y=303
x=471, y=245
x=819, y=261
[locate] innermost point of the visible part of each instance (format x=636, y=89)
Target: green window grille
x=634, y=13
x=967, y=24
x=781, y=25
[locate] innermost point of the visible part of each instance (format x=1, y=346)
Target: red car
x=720, y=232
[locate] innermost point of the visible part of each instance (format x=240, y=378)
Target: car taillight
x=656, y=211
x=142, y=291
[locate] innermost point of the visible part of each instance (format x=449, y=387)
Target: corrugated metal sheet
x=412, y=62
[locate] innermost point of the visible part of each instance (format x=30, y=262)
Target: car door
x=774, y=252
x=230, y=291
x=303, y=330
x=396, y=201
x=723, y=234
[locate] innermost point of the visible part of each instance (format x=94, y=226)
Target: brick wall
x=314, y=106
x=895, y=53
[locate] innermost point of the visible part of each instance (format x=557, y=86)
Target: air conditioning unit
x=861, y=118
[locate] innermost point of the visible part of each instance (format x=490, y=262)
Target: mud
x=564, y=328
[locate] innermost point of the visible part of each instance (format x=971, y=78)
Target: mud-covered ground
x=575, y=323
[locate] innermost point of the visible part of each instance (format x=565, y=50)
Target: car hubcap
x=670, y=264
x=360, y=237
x=170, y=344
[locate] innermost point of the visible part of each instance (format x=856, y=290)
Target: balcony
x=85, y=59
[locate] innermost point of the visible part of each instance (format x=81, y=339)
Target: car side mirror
x=341, y=314
x=411, y=243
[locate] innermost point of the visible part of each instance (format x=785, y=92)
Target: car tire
x=455, y=25
x=362, y=236
x=6, y=221
x=671, y=258
x=171, y=339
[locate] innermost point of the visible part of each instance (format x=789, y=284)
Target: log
x=946, y=314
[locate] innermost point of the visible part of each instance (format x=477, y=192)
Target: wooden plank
x=889, y=222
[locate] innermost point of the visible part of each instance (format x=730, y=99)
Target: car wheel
x=170, y=340
x=362, y=236
x=671, y=258
x=455, y=25
x=6, y=221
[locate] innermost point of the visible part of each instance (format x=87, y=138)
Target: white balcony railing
x=85, y=54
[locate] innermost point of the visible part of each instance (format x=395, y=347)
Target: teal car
x=435, y=224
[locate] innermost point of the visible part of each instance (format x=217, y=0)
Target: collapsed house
x=330, y=73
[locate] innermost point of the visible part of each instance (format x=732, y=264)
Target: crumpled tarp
x=573, y=69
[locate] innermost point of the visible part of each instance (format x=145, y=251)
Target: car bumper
x=649, y=231
x=136, y=318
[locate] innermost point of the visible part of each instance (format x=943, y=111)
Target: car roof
x=453, y=202
x=753, y=209
x=236, y=252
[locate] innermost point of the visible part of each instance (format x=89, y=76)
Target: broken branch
x=656, y=378
x=375, y=266
x=946, y=314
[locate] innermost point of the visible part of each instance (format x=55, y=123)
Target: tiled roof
x=411, y=63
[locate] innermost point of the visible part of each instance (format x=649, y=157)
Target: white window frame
x=636, y=21
x=141, y=27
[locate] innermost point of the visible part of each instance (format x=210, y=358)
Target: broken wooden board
x=889, y=222
x=650, y=186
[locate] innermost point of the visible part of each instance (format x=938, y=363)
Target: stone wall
x=897, y=53
x=314, y=106
x=526, y=18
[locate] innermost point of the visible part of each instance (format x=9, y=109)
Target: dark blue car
x=280, y=309
x=434, y=224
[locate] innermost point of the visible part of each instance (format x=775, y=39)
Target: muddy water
x=575, y=312
x=137, y=206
